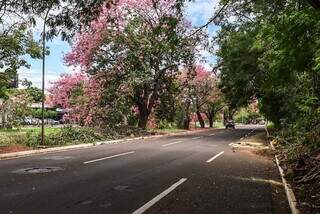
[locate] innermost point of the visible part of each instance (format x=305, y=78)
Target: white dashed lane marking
x=214, y=157
x=169, y=144
x=109, y=157
x=159, y=197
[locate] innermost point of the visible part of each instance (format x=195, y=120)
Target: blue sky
x=198, y=13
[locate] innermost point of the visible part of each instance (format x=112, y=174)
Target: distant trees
x=202, y=92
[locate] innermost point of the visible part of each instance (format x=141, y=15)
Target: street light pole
x=43, y=75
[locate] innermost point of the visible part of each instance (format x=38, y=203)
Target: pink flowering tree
x=201, y=90
x=136, y=47
x=80, y=94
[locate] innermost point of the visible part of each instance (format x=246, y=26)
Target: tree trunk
x=143, y=120
x=186, y=122
x=200, y=119
x=143, y=116
x=210, y=118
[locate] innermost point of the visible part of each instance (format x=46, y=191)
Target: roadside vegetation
x=269, y=51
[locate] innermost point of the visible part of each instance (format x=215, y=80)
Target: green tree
x=271, y=53
x=15, y=42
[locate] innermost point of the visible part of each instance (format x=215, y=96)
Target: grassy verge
x=12, y=140
x=30, y=137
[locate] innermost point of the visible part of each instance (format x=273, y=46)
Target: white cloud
x=200, y=11
x=35, y=75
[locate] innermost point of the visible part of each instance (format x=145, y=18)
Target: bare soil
x=13, y=148
x=304, y=176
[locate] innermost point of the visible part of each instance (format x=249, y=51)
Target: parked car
x=27, y=121
x=51, y=122
x=230, y=124
x=30, y=121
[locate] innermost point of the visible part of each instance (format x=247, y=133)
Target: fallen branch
x=311, y=175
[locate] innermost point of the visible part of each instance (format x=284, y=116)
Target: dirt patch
x=13, y=148
x=304, y=176
x=255, y=144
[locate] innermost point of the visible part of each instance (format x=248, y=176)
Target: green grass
x=32, y=129
x=20, y=135
x=54, y=136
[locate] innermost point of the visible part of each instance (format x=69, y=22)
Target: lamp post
x=43, y=75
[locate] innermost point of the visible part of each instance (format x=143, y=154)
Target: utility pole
x=43, y=75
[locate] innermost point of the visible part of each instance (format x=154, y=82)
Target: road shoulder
x=258, y=145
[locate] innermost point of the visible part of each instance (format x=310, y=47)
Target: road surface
x=195, y=173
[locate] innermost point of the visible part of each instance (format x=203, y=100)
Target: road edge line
x=289, y=191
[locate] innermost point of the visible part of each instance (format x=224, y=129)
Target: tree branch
x=210, y=20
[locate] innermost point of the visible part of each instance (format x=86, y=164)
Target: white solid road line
x=212, y=134
x=214, y=157
x=159, y=197
x=105, y=158
x=195, y=138
x=169, y=144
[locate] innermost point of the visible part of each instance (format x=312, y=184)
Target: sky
x=198, y=12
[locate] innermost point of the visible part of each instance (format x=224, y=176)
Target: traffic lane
x=65, y=158
x=8, y=178
x=75, y=163
x=91, y=152
x=52, y=181
x=234, y=183
x=96, y=182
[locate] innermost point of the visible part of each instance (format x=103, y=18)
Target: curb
x=289, y=192
x=13, y=155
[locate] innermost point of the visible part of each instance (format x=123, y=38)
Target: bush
x=37, y=113
x=67, y=135
x=164, y=124
x=12, y=138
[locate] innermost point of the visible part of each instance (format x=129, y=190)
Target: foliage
x=35, y=93
x=15, y=42
x=247, y=116
x=80, y=95
x=15, y=108
x=270, y=52
x=136, y=47
x=70, y=135
x=37, y=113
x=199, y=88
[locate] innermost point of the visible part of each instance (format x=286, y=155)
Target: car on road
x=230, y=124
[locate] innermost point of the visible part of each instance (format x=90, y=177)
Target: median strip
x=214, y=157
x=105, y=158
x=159, y=197
x=169, y=144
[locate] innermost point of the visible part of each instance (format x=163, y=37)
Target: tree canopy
x=270, y=51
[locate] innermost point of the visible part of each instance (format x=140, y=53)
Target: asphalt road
x=196, y=173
